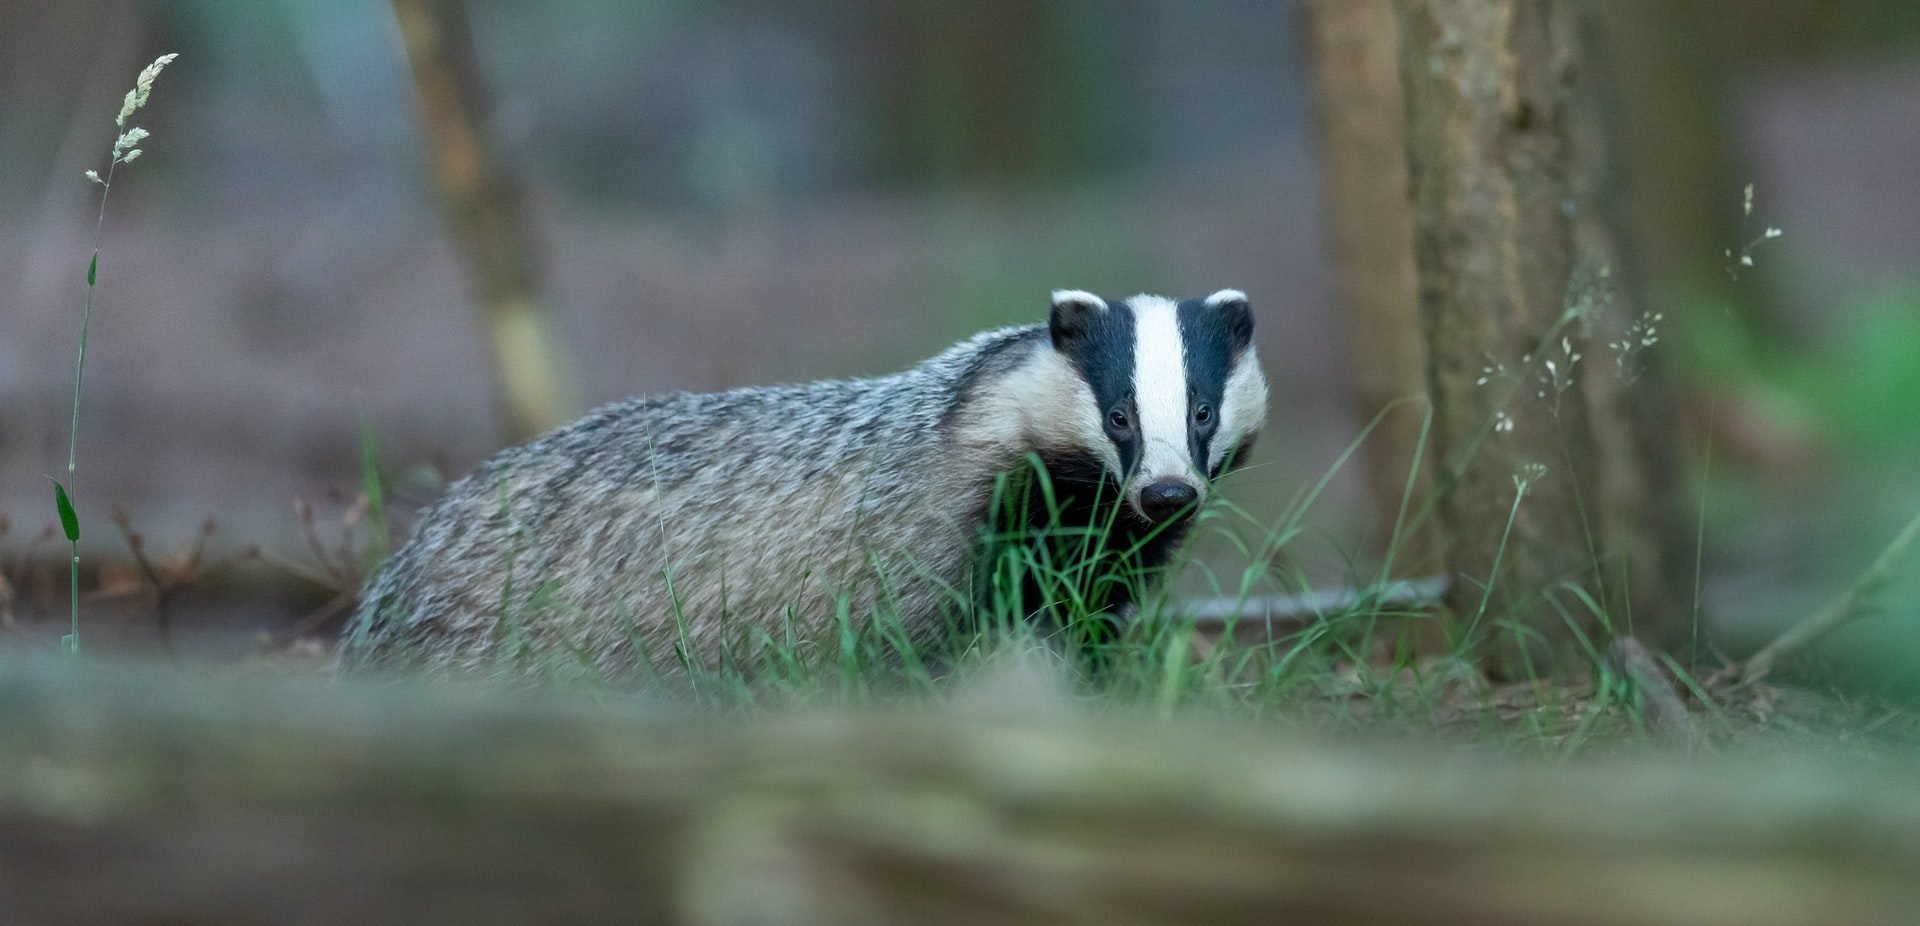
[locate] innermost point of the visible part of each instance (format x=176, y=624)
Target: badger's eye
x=1118, y=421
x=1202, y=414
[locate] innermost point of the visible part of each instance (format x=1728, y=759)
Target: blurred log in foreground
x=133, y=797
x=486, y=217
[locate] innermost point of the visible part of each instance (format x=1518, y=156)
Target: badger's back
x=692, y=526
x=660, y=527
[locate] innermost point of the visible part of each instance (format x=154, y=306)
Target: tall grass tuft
x=126, y=148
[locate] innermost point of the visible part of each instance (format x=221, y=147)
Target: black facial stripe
x=1103, y=352
x=1209, y=346
x=1235, y=458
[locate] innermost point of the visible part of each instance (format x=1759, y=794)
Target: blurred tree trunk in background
x=487, y=218
x=1674, y=72
x=1554, y=489
x=997, y=89
x=1353, y=47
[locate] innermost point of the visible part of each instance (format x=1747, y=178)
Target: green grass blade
x=69, y=521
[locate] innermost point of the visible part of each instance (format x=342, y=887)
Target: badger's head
x=1176, y=390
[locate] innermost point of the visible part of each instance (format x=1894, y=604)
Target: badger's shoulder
x=1013, y=393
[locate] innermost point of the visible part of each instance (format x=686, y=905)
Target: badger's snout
x=1166, y=499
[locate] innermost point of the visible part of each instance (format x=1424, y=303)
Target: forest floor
x=1629, y=700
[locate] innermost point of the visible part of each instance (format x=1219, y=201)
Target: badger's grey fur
x=678, y=525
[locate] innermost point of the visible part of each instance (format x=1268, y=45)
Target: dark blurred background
x=753, y=191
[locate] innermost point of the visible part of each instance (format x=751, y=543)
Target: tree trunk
x=1005, y=90
x=1554, y=494
x=1353, y=47
x=535, y=391
x=1675, y=105
x=131, y=796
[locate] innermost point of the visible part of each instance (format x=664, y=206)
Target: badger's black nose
x=1166, y=498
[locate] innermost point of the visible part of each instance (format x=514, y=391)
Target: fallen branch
x=1850, y=604
x=1290, y=611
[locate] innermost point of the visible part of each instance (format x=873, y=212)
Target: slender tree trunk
x=1675, y=108
x=486, y=216
x=1353, y=46
x=1556, y=510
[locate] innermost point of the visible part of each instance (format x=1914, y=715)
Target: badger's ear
x=1073, y=312
x=1236, y=313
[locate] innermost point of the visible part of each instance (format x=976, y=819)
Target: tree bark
x=132, y=796
x=486, y=216
x=1554, y=494
x=1675, y=106
x=1353, y=46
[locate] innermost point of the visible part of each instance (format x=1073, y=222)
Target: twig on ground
x=337, y=567
x=172, y=575
x=1281, y=611
x=293, y=633
x=1855, y=601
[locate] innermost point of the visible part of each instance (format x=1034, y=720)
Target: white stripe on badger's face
x=1043, y=402
x=1161, y=396
x=1243, y=407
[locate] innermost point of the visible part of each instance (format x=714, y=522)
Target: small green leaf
x=70, y=644
x=69, y=521
x=92, y=267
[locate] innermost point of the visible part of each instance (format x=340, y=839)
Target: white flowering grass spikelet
x=1555, y=375
x=1530, y=474
x=125, y=146
x=142, y=88
x=1744, y=259
x=1640, y=336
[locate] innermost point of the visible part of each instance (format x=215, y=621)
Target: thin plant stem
x=1499, y=555
x=86, y=319
x=125, y=149
x=1700, y=522
x=73, y=429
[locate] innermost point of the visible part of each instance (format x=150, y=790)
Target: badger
x=670, y=529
